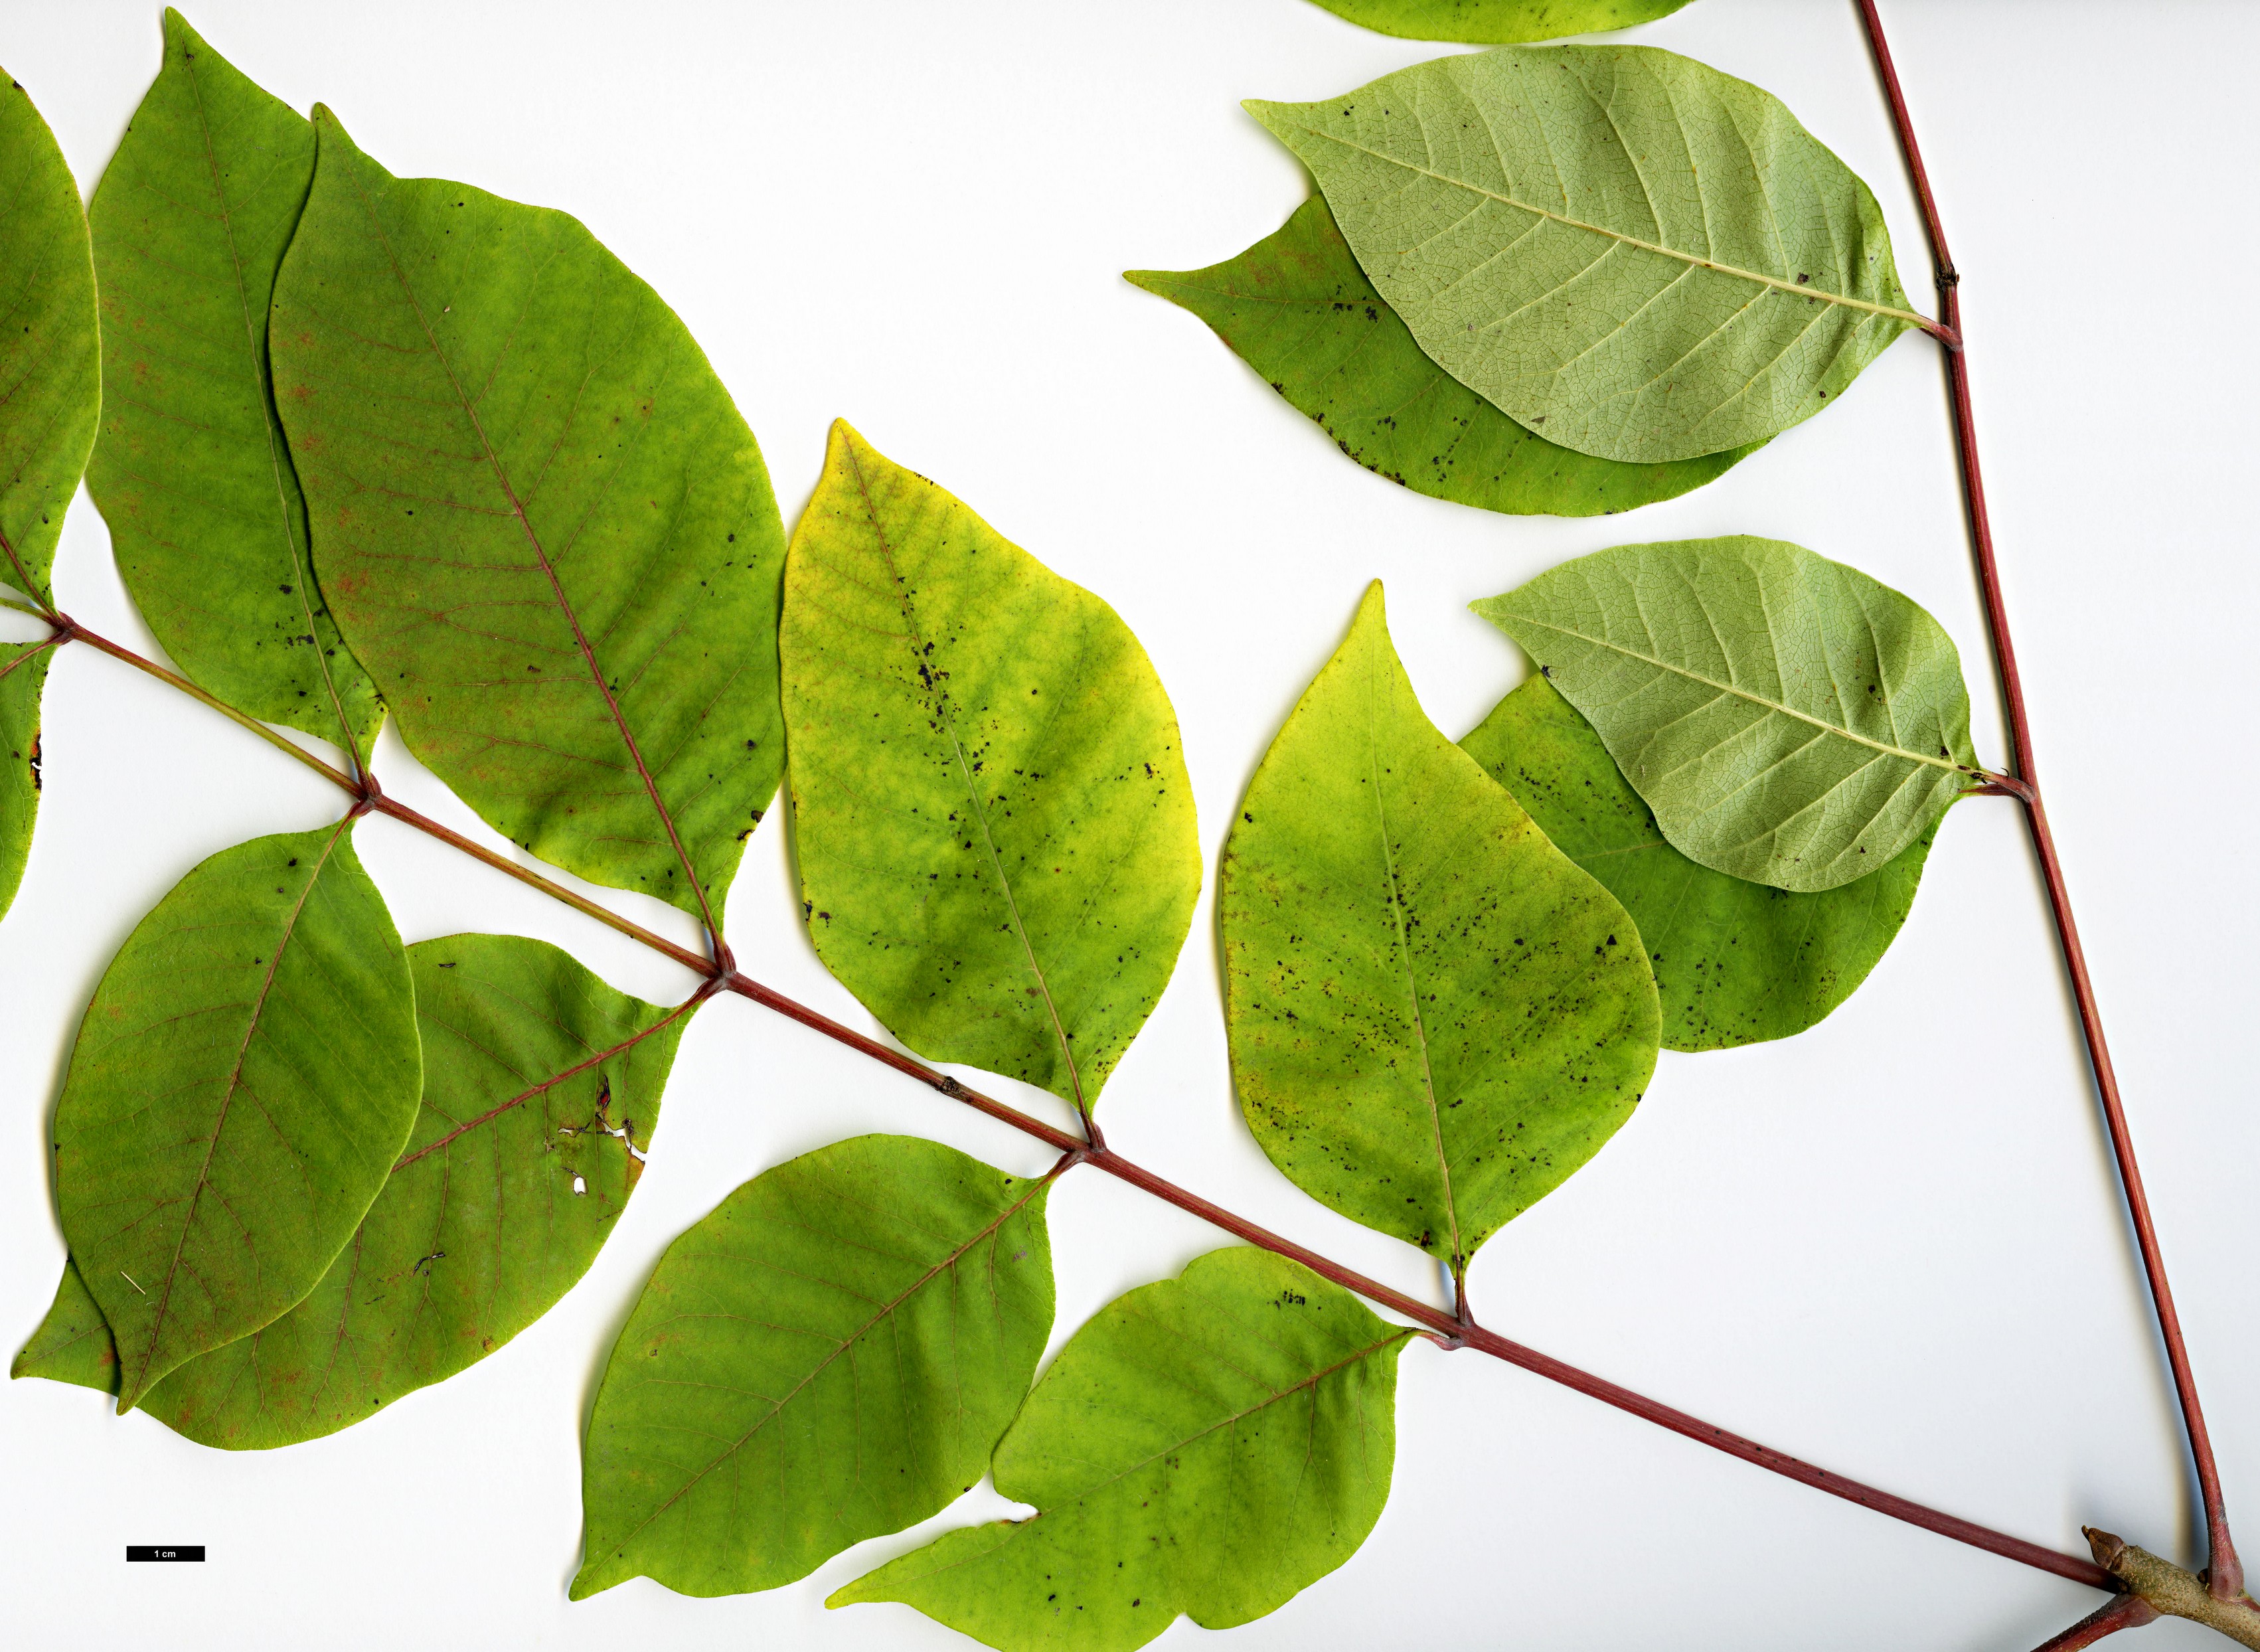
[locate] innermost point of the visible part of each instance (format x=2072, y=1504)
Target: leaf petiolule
x=541, y=1084
x=996, y=834
x=1735, y=962
x=1435, y=1017
x=1210, y=1445
x=539, y=520
x=1790, y=720
x=189, y=223
x=50, y=355
x=1634, y=254
x=1297, y=309
x=23, y=676
x=72, y=1343
x=242, y=1084
x=1498, y=22
x=828, y=1356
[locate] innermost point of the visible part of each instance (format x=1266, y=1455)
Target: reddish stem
x=2225, y=1578
x=1450, y=1329
x=2127, y=1611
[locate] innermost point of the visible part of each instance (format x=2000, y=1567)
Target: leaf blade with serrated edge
x=1790, y=720
x=1297, y=309
x=748, y=1336
x=539, y=520
x=995, y=830
x=242, y=1084
x=23, y=680
x=72, y=1344
x=1638, y=256
x=541, y=1084
x=1158, y=1487
x=50, y=352
x=189, y=223
x=1498, y=22
x=1736, y=962
x=1434, y=1016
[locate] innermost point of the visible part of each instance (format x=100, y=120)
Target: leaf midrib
x=1948, y=764
x=1412, y=979
x=947, y=705
x=777, y=1408
x=549, y=1084
x=1398, y=1335
x=1778, y=283
x=541, y=555
x=227, y=1101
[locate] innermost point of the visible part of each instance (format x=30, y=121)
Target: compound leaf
x=541, y=1084
x=997, y=852
x=23, y=676
x=1789, y=720
x=1297, y=309
x=540, y=521
x=244, y=1080
x=50, y=355
x=1499, y=22
x=1634, y=254
x=1210, y=1445
x=828, y=1356
x=191, y=473
x=1435, y=1015
x=72, y=1343
x=1735, y=962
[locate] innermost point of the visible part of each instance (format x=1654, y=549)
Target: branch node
x=2174, y=1589
x=367, y=795
x=65, y=629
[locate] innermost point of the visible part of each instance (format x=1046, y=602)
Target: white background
x=1892, y=1246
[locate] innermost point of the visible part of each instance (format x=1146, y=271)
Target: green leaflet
x=540, y=522
x=994, y=831
x=1499, y=22
x=1735, y=962
x=190, y=225
x=72, y=1343
x=828, y=1356
x=23, y=674
x=50, y=356
x=244, y=1079
x=1209, y=1445
x=541, y=1084
x=1434, y=1016
x=1634, y=254
x=1790, y=720
x=1297, y=309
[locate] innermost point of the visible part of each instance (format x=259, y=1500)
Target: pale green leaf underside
x=243, y=1082
x=829, y=1357
x=22, y=678
x=1210, y=1445
x=541, y=1084
x=1634, y=254
x=1789, y=720
x=1499, y=22
x=1735, y=962
x=1298, y=309
x=72, y=1343
x=996, y=834
x=50, y=356
x=539, y=520
x=191, y=473
x=1434, y=1016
